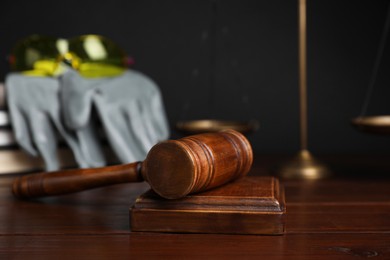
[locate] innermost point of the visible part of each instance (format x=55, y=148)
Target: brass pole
x=304, y=165
x=303, y=74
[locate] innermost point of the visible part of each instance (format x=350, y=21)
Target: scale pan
x=212, y=125
x=373, y=124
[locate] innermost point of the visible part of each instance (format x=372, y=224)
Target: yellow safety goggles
x=92, y=55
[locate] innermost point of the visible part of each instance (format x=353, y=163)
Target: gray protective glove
x=129, y=106
x=35, y=114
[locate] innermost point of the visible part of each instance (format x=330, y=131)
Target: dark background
x=244, y=68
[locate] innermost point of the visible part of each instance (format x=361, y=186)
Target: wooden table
x=345, y=217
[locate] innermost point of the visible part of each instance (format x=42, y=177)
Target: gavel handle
x=68, y=181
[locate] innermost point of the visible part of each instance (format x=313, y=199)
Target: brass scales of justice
x=304, y=165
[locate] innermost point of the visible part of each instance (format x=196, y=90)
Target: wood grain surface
x=345, y=217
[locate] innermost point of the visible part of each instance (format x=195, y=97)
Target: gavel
x=173, y=168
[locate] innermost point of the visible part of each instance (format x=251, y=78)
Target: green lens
x=99, y=56
x=36, y=54
x=91, y=55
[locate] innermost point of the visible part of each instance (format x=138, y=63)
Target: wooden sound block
x=250, y=205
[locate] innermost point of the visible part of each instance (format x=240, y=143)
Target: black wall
x=246, y=68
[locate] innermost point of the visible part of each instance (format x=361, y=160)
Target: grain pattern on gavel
x=173, y=168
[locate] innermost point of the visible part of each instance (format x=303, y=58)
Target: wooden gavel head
x=196, y=163
x=173, y=168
